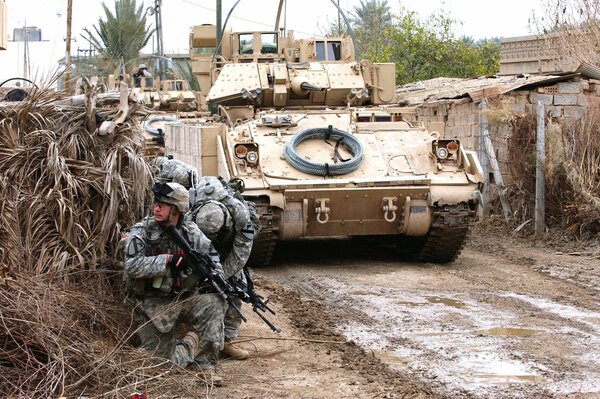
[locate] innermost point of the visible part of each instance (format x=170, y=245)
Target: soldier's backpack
x=167, y=170
x=215, y=189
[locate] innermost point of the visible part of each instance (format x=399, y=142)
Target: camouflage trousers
x=233, y=320
x=204, y=314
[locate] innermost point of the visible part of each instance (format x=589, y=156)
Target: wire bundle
x=325, y=169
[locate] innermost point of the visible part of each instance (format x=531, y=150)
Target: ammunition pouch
x=143, y=288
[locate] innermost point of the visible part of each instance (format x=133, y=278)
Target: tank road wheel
x=443, y=244
x=265, y=243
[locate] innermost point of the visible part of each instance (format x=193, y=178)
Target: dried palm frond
x=63, y=195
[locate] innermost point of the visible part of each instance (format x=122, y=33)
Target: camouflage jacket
x=149, y=282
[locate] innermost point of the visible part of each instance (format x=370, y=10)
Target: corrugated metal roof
x=589, y=70
x=448, y=89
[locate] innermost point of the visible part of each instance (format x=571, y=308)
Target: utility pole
x=540, y=160
x=339, y=26
x=159, y=37
x=68, y=48
x=219, y=33
x=483, y=158
x=25, y=51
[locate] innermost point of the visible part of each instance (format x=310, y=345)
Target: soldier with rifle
x=169, y=283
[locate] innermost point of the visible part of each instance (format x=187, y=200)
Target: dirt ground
x=510, y=318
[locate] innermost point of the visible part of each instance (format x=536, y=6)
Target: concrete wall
x=532, y=55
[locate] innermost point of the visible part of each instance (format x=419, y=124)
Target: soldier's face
x=161, y=212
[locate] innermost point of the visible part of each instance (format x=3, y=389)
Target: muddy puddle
x=482, y=347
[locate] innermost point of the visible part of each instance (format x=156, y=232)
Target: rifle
x=203, y=266
x=246, y=292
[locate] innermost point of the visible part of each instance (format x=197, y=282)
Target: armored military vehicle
x=323, y=151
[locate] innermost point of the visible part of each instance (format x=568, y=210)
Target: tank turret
x=272, y=69
x=284, y=84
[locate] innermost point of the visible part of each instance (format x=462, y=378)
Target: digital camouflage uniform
x=166, y=169
x=226, y=221
x=159, y=310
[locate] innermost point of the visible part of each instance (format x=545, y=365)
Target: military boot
x=230, y=351
x=186, y=349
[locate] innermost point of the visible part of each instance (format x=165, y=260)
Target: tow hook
x=322, y=210
x=389, y=209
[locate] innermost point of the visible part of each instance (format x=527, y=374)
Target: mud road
x=506, y=320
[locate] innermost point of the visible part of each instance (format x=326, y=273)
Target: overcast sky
x=480, y=19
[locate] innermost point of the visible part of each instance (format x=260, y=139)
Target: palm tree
x=468, y=40
x=371, y=13
x=122, y=35
x=370, y=20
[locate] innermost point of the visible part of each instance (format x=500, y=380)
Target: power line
x=244, y=19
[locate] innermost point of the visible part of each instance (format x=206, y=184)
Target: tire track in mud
x=314, y=320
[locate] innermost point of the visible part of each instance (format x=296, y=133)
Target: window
x=269, y=43
x=245, y=41
x=334, y=51
x=320, y=50
x=176, y=85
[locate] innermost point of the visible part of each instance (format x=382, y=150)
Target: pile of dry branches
x=572, y=175
x=58, y=340
x=65, y=191
x=571, y=30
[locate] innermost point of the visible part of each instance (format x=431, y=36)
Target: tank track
x=447, y=235
x=443, y=244
x=265, y=243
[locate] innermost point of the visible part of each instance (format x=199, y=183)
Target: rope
x=324, y=169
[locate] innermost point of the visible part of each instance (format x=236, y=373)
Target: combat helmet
x=176, y=171
x=172, y=193
x=214, y=219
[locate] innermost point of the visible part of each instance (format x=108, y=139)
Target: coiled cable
x=154, y=131
x=325, y=169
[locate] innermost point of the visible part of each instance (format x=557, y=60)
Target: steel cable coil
x=157, y=118
x=321, y=168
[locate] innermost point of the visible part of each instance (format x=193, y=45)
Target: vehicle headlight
x=252, y=157
x=442, y=153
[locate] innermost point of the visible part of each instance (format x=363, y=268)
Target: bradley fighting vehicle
x=322, y=151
